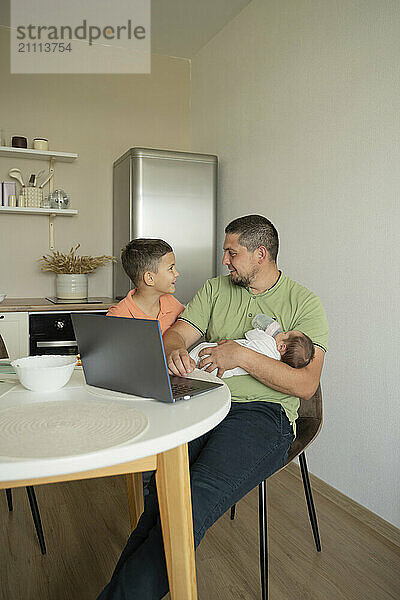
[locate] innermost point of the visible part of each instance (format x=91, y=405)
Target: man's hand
x=223, y=357
x=180, y=363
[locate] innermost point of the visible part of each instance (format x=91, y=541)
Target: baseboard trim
x=379, y=525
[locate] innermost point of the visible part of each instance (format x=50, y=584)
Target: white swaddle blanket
x=256, y=340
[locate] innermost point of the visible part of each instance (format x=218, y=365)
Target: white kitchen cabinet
x=14, y=329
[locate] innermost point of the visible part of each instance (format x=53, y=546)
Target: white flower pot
x=72, y=286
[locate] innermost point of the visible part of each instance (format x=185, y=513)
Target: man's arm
x=275, y=374
x=279, y=376
x=176, y=341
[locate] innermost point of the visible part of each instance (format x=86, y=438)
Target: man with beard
x=252, y=442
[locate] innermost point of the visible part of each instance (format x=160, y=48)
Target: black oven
x=53, y=333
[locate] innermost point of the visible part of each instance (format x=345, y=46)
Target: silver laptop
x=127, y=355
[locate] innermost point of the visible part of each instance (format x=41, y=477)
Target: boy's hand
x=180, y=363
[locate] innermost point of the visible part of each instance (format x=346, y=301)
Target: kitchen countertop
x=41, y=304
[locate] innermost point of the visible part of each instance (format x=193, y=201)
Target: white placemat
x=59, y=429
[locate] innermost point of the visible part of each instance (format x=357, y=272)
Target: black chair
x=35, y=513
x=29, y=489
x=308, y=425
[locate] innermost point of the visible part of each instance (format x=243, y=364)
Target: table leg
x=134, y=486
x=173, y=488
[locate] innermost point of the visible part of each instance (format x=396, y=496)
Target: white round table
x=81, y=432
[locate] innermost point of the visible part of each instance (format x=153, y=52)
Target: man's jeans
x=226, y=463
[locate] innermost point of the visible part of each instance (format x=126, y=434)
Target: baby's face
x=281, y=342
x=282, y=339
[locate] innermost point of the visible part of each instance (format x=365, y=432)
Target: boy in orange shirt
x=150, y=265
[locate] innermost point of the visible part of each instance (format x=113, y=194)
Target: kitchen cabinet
x=15, y=333
x=20, y=327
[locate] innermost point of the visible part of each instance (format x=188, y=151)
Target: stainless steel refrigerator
x=168, y=195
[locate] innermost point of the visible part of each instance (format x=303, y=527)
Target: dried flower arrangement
x=57, y=262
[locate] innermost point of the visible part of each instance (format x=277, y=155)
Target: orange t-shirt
x=170, y=309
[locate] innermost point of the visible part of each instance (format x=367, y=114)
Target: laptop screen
x=124, y=355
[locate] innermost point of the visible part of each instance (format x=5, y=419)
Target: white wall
x=99, y=117
x=301, y=101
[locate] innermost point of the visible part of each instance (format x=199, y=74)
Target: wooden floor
x=86, y=524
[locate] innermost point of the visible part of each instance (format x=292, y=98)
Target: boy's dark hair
x=255, y=231
x=142, y=255
x=299, y=352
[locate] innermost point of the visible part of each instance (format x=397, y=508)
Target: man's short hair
x=300, y=350
x=255, y=231
x=142, y=255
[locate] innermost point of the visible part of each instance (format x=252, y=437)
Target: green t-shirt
x=221, y=310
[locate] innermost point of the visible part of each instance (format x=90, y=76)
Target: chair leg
x=36, y=517
x=233, y=510
x=9, y=499
x=310, y=502
x=262, y=510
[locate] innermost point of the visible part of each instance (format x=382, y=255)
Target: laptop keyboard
x=181, y=389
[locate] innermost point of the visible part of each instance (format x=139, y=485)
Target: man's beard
x=241, y=281
x=245, y=280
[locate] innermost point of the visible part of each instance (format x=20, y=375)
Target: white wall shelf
x=52, y=157
x=28, y=210
x=37, y=154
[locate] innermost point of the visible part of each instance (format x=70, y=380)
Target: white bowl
x=45, y=373
x=2, y=296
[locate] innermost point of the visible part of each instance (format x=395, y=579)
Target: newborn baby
x=293, y=347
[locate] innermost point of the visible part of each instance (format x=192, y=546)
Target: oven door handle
x=56, y=344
